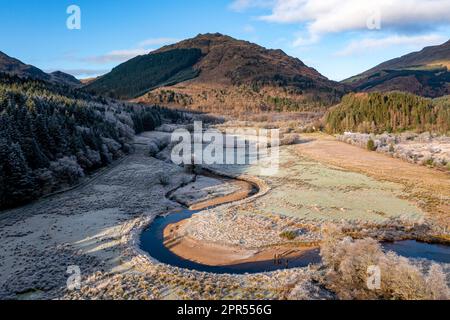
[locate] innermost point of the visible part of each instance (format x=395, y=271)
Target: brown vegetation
x=347, y=263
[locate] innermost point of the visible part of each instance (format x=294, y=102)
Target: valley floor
x=428, y=188
x=96, y=227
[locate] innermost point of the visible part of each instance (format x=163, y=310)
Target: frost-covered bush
x=153, y=149
x=425, y=149
x=163, y=179
x=45, y=180
x=106, y=155
x=289, y=139
x=125, y=130
x=163, y=142
x=166, y=128
x=113, y=146
x=66, y=170
x=306, y=288
x=347, y=263
x=89, y=159
x=94, y=157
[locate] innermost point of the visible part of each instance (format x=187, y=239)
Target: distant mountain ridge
x=65, y=78
x=425, y=73
x=15, y=67
x=217, y=73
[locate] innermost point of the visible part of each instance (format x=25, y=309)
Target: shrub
x=290, y=139
x=163, y=179
x=391, y=148
x=153, y=149
x=289, y=235
x=429, y=162
x=347, y=262
x=66, y=170
x=371, y=145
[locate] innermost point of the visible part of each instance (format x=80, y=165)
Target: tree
x=18, y=182
x=393, y=111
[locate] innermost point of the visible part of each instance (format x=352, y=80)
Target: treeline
x=389, y=112
x=50, y=136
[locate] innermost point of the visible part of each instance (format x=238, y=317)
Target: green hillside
x=392, y=112
x=143, y=73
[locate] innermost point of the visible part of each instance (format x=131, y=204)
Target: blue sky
x=339, y=38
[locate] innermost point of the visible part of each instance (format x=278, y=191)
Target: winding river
x=154, y=241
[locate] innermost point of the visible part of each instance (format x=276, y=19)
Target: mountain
x=425, y=73
x=143, y=73
x=65, y=78
x=15, y=67
x=217, y=73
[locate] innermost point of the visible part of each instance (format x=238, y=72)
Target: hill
x=64, y=78
x=389, y=112
x=15, y=67
x=425, y=73
x=143, y=73
x=217, y=73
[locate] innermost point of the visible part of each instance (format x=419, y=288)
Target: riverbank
x=214, y=254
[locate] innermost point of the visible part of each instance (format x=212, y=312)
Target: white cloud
x=117, y=56
x=249, y=28
x=306, y=41
x=241, y=5
x=370, y=44
x=81, y=71
x=157, y=41
x=127, y=54
x=331, y=16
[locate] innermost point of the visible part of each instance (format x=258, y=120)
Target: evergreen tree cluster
x=143, y=73
x=50, y=136
x=389, y=112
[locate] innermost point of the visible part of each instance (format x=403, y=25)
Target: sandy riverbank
x=215, y=254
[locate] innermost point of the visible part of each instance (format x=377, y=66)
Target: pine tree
x=18, y=182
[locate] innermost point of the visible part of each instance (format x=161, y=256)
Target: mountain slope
x=15, y=67
x=140, y=74
x=65, y=78
x=425, y=73
x=228, y=76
